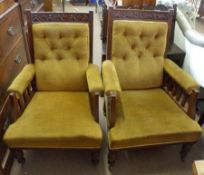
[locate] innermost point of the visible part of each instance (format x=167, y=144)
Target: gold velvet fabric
x=110, y=77
x=151, y=117
x=138, y=53
x=61, y=53
x=180, y=76
x=21, y=82
x=55, y=120
x=94, y=79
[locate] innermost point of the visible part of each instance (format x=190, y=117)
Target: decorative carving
x=60, y=17
x=140, y=14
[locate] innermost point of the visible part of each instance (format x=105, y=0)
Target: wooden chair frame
x=5, y=120
x=185, y=101
x=19, y=105
x=146, y=6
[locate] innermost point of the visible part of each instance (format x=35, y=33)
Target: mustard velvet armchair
x=149, y=100
x=55, y=99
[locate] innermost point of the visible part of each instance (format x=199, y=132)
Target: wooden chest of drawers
x=12, y=47
x=34, y=5
x=4, y=4
x=13, y=57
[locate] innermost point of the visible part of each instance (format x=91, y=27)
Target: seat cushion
x=150, y=117
x=55, y=120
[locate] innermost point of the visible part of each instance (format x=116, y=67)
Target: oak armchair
x=149, y=99
x=55, y=98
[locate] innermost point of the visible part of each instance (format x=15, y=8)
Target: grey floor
x=156, y=161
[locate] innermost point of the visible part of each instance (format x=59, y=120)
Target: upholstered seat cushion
x=55, y=120
x=150, y=117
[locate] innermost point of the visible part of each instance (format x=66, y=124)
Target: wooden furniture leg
x=48, y=5
x=95, y=156
x=18, y=154
x=185, y=150
x=111, y=159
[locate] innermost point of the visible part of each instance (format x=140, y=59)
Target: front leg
x=18, y=154
x=95, y=156
x=185, y=150
x=111, y=158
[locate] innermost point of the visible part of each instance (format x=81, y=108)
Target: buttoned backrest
x=138, y=49
x=61, y=53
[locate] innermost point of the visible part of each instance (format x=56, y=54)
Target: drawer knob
x=18, y=59
x=11, y=31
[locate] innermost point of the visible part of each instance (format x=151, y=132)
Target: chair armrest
x=22, y=80
x=180, y=76
x=93, y=78
x=110, y=77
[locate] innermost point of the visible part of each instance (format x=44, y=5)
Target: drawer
x=10, y=31
x=5, y=4
x=11, y=66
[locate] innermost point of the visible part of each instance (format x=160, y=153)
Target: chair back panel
x=60, y=46
x=61, y=53
x=138, y=49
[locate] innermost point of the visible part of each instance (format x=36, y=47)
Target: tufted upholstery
x=143, y=91
x=61, y=53
x=136, y=47
x=55, y=100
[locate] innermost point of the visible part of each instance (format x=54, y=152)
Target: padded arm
x=110, y=77
x=93, y=78
x=22, y=80
x=180, y=76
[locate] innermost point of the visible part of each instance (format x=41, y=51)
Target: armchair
x=149, y=100
x=55, y=97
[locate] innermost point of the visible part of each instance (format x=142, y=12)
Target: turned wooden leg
x=95, y=156
x=185, y=150
x=111, y=159
x=18, y=154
